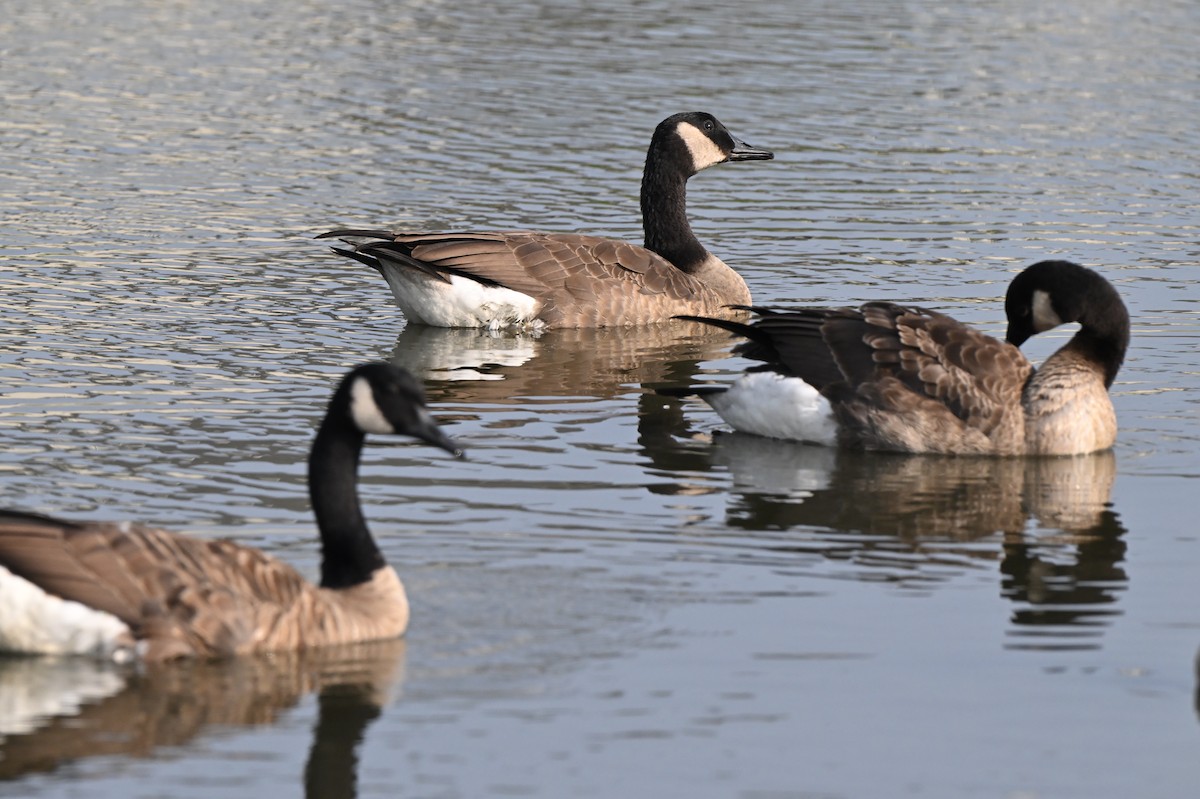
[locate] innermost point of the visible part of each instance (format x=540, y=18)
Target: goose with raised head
x=905, y=379
x=128, y=591
x=521, y=278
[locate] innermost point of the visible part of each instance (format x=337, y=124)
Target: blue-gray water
x=611, y=598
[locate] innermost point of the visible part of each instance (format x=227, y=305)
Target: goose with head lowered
x=529, y=279
x=129, y=591
x=906, y=379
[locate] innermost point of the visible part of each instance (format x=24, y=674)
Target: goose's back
x=577, y=280
x=900, y=378
x=933, y=384
x=188, y=597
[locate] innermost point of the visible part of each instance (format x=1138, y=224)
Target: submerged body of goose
x=521, y=278
x=127, y=591
x=905, y=379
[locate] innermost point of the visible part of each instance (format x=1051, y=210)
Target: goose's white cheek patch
x=1044, y=316
x=365, y=411
x=705, y=152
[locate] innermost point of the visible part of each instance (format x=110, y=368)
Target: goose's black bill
x=431, y=433
x=745, y=152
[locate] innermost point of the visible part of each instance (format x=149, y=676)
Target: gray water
x=613, y=596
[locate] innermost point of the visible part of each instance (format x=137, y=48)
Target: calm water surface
x=613, y=596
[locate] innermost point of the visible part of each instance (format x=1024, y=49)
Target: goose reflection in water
x=62, y=710
x=916, y=518
x=507, y=368
x=1061, y=547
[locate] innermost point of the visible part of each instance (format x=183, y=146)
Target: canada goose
x=522, y=278
x=889, y=377
x=125, y=591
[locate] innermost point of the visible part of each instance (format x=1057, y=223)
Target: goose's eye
x=709, y=127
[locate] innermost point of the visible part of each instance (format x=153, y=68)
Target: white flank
x=35, y=622
x=365, y=411
x=705, y=152
x=460, y=303
x=1044, y=317
x=769, y=404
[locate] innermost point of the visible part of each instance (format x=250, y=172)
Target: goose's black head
x=694, y=140
x=1052, y=293
x=383, y=398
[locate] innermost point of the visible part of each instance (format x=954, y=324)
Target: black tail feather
x=733, y=326
x=356, y=233
x=369, y=260
x=395, y=251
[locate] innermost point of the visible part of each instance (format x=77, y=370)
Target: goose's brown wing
x=184, y=596
x=976, y=377
x=912, y=353
x=97, y=565
x=532, y=263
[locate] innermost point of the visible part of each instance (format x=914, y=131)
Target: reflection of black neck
x=1079, y=595
x=344, y=714
x=1197, y=700
x=349, y=555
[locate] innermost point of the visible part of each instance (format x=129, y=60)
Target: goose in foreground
x=126, y=591
x=522, y=278
x=889, y=377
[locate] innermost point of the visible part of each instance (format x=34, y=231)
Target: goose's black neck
x=1103, y=339
x=349, y=553
x=664, y=208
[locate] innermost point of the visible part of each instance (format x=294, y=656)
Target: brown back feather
x=184, y=596
x=977, y=377
x=76, y=562
x=542, y=264
x=893, y=357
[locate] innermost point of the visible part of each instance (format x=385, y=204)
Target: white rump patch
x=1044, y=317
x=460, y=303
x=35, y=622
x=769, y=404
x=365, y=411
x=705, y=152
